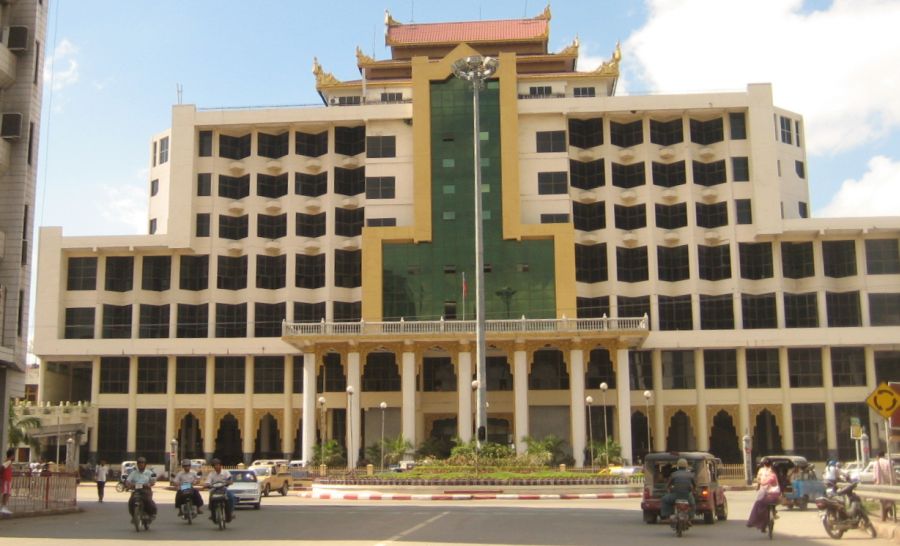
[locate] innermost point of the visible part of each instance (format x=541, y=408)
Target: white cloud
x=836, y=67
x=61, y=68
x=876, y=193
x=126, y=205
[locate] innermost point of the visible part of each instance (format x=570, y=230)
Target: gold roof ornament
x=611, y=67
x=545, y=14
x=388, y=20
x=362, y=58
x=571, y=49
x=322, y=78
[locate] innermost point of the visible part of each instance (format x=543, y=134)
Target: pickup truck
x=273, y=478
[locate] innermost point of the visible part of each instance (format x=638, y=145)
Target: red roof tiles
x=474, y=31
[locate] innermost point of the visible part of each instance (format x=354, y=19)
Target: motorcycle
x=218, y=503
x=188, y=510
x=844, y=511
x=139, y=516
x=681, y=520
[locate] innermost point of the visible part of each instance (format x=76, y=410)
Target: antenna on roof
x=412, y=11
x=178, y=91
x=525, y=11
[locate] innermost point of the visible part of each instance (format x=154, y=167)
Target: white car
x=867, y=474
x=245, y=488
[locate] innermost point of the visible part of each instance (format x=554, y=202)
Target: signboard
x=855, y=428
x=884, y=400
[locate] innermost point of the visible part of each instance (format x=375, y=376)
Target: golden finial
x=571, y=49
x=388, y=20
x=322, y=78
x=545, y=14
x=611, y=67
x=362, y=58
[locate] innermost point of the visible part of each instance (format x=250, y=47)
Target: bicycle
x=773, y=514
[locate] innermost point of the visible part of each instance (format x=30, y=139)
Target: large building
x=659, y=246
x=23, y=24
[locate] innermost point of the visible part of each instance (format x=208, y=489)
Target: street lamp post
x=383, y=406
x=647, y=395
x=477, y=69
x=350, y=457
x=603, y=388
x=322, y=425
x=173, y=457
x=589, y=400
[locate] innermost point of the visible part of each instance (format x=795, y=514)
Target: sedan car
x=245, y=488
x=867, y=474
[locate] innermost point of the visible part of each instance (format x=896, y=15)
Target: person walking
x=883, y=477
x=102, y=471
x=6, y=482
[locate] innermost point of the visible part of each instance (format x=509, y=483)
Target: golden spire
x=322, y=78
x=611, y=67
x=571, y=49
x=545, y=14
x=362, y=58
x=388, y=20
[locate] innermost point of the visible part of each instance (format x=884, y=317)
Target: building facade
x=21, y=64
x=651, y=272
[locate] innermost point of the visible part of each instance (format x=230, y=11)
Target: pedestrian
x=102, y=471
x=883, y=477
x=6, y=482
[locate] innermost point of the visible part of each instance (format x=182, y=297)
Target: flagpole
x=464, y=295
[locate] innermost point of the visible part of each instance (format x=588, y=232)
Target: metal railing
x=34, y=493
x=879, y=492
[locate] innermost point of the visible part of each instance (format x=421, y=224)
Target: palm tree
x=19, y=426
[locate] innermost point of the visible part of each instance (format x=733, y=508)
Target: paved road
x=484, y=523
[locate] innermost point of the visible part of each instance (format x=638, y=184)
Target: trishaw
x=798, y=480
x=710, y=495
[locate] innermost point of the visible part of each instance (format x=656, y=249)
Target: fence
x=732, y=472
x=43, y=493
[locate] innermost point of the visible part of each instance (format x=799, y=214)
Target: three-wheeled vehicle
x=797, y=479
x=710, y=496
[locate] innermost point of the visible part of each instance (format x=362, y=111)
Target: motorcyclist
x=145, y=477
x=681, y=485
x=832, y=475
x=218, y=474
x=187, y=476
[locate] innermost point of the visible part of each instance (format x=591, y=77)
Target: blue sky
x=113, y=66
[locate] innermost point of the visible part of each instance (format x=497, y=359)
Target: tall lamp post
x=350, y=457
x=322, y=425
x=647, y=396
x=589, y=400
x=383, y=406
x=173, y=458
x=603, y=388
x=477, y=69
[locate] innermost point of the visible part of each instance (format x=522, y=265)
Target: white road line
x=412, y=529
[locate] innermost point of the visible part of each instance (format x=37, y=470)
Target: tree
x=19, y=427
x=602, y=448
x=548, y=450
x=331, y=453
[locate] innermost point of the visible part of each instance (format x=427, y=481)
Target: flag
x=465, y=287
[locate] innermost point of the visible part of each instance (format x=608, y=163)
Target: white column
x=209, y=420
x=520, y=388
x=309, y=406
x=576, y=410
x=95, y=400
x=353, y=421
x=701, y=427
x=787, y=425
x=288, y=427
x=249, y=433
x=830, y=417
x=171, y=425
x=408, y=389
x=623, y=399
x=131, y=437
x=743, y=407
x=464, y=391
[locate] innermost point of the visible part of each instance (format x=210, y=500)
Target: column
x=701, y=427
x=875, y=424
x=95, y=401
x=308, y=418
x=464, y=391
x=623, y=400
x=171, y=425
x=131, y=441
x=830, y=418
x=787, y=424
x=743, y=407
x=408, y=389
x=209, y=418
x=288, y=427
x=248, y=435
x=658, y=430
x=576, y=409
x=354, y=435
x=520, y=391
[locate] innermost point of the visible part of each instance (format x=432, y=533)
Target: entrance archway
x=766, y=436
x=268, y=439
x=639, y=445
x=723, y=438
x=228, y=441
x=681, y=433
x=190, y=440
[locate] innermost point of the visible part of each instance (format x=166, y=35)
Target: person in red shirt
x=6, y=482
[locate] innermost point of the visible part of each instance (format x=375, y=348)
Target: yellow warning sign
x=884, y=400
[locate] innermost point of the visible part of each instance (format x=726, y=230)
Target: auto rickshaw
x=709, y=497
x=797, y=479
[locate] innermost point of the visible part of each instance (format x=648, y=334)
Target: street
x=302, y=521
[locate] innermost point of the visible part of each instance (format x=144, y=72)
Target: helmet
x=185, y=462
x=832, y=462
x=141, y=460
x=682, y=463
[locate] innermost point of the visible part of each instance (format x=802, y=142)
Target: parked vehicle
x=269, y=462
x=274, y=478
x=245, y=488
x=218, y=502
x=797, y=479
x=867, y=474
x=710, y=497
x=681, y=519
x=844, y=511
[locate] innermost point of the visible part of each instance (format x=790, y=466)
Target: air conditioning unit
x=11, y=125
x=17, y=38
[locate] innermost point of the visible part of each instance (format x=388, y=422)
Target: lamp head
x=589, y=400
x=350, y=389
x=382, y=405
x=647, y=395
x=321, y=400
x=604, y=386
x=475, y=384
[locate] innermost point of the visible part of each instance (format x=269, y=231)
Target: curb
x=468, y=496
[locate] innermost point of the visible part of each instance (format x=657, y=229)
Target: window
x=234, y=227
x=231, y=320
x=758, y=311
x=678, y=370
x=756, y=260
x=270, y=271
x=151, y=229
x=809, y=430
x=589, y=216
x=311, y=145
x=590, y=263
x=554, y=218
x=628, y=176
x=801, y=310
x=381, y=222
x=119, y=273
x=193, y=320
x=309, y=312
x=114, y=372
x=640, y=367
x=540, y=91
x=803, y=209
x=205, y=144
x=633, y=307
x=629, y=218
x=587, y=175
x=268, y=374
x=156, y=273
x=592, y=307
x=887, y=366
x=882, y=256
x=672, y=263
x=715, y=262
x=797, y=127
x=82, y=274
x=626, y=135
x=553, y=183
x=310, y=225
x=740, y=169
x=231, y=273
x=204, y=184
x=190, y=375
x=347, y=311
x=800, y=169
x=675, y=313
x=712, y=216
x=786, y=135
x=311, y=185
x=116, y=321
x=310, y=271
x=152, y=374
x=843, y=309
x=229, y=378
x=350, y=140
x=153, y=322
x=272, y=146
x=738, y=123
x=202, y=226
x=236, y=148
x=347, y=268
x=268, y=319
x=631, y=264
x=666, y=133
x=584, y=92
x=805, y=367
x=709, y=174
x=839, y=258
x=884, y=309
x=763, y=369
x=271, y=227
x=586, y=133
x=797, y=260
x=194, y=273
x=272, y=187
x=153, y=153
x=551, y=141
x=743, y=211
x=671, y=216
x=716, y=312
x=154, y=187
x=348, y=222
x=848, y=366
x=380, y=187
x=707, y=132
x=720, y=368
x=231, y=187
x=669, y=175
x=163, y=150
x=381, y=146
x=79, y=323
x=392, y=97
x=349, y=181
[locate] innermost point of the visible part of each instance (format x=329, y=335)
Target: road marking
x=412, y=529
